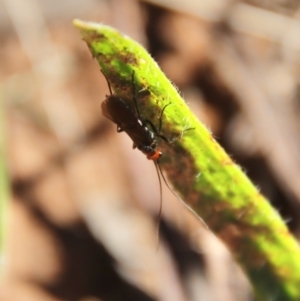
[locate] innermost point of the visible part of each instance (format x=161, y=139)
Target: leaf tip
x=78, y=23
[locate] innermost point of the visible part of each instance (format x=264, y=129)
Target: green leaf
x=206, y=178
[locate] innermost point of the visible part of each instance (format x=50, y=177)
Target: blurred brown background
x=82, y=220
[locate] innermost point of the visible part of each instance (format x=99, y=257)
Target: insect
x=131, y=122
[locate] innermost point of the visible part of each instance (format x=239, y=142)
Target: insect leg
x=108, y=83
x=134, y=96
x=161, y=116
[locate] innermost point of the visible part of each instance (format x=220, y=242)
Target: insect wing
x=115, y=109
x=105, y=110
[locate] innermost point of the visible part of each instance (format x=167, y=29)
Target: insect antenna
x=158, y=171
x=160, y=174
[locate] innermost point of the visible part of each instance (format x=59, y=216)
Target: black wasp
x=131, y=122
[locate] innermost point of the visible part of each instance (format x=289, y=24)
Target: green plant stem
x=207, y=179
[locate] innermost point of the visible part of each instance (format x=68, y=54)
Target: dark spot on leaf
x=129, y=58
x=93, y=36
